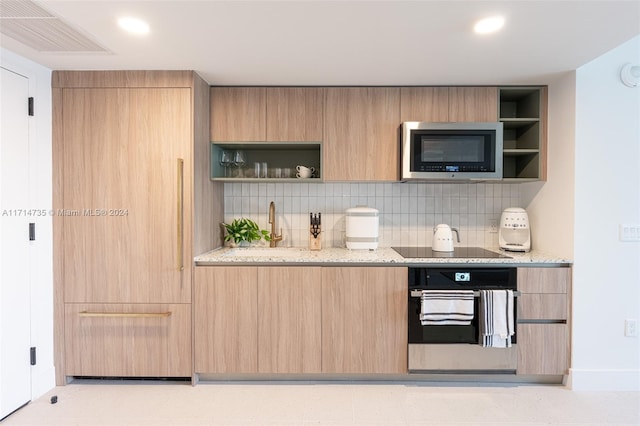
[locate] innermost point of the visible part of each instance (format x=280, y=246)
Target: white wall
x=607, y=193
x=550, y=204
x=43, y=374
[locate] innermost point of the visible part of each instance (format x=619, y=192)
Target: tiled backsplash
x=408, y=211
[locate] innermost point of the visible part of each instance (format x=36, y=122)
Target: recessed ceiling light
x=489, y=25
x=133, y=25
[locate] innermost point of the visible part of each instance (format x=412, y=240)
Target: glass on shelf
x=225, y=161
x=239, y=160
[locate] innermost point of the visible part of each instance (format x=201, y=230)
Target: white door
x=15, y=325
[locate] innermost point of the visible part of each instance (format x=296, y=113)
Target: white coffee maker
x=514, y=233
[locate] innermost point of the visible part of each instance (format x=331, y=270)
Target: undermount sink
x=264, y=252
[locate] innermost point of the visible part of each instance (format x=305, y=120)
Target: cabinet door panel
x=121, y=197
x=226, y=320
x=361, y=133
x=364, y=320
x=289, y=303
x=238, y=114
x=544, y=280
x=144, y=340
x=543, y=349
x=424, y=104
x=473, y=104
x=542, y=306
x=294, y=114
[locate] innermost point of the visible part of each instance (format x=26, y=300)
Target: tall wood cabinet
x=128, y=150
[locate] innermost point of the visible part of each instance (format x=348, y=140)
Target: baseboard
x=604, y=380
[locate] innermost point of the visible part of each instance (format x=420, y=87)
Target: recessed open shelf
x=280, y=156
x=521, y=114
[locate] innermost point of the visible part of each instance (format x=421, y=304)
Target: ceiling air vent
x=30, y=24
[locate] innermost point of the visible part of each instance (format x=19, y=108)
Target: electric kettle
x=443, y=237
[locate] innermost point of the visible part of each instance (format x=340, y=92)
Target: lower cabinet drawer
x=543, y=349
x=127, y=340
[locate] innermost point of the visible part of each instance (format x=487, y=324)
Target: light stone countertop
x=282, y=256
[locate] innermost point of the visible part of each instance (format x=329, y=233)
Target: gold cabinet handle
x=180, y=214
x=125, y=314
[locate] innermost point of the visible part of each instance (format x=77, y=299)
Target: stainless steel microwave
x=451, y=151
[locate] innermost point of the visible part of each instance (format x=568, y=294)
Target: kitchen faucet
x=272, y=221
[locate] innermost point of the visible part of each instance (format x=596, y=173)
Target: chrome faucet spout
x=272, y=221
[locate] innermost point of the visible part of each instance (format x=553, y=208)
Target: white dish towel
x=496, y=318
x=446, y=307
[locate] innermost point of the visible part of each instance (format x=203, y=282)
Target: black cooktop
x=458, y=252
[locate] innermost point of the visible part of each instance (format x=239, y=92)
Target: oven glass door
x=419, y=333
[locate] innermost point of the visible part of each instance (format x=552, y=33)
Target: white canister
x=362, y=228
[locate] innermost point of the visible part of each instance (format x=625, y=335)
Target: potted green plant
x=243, y=231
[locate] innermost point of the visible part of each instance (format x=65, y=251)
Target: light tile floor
x=89, y=403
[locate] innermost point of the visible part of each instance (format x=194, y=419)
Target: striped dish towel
x=446, y=307
x=496, y=318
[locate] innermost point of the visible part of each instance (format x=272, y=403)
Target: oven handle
x=418, y=293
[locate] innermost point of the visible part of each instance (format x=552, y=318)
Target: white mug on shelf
x=304, y=172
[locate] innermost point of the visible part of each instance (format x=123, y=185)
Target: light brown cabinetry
x=289, y=312
x=473, y=104
x=269, y=114
x=238, y=113
x=225, y=320
x=364, y=320
x=449, y=104
x=141, y=340
x=257, y=320
x=361, y=133
x=300, y=320
x=543, y=314
x=127, y=150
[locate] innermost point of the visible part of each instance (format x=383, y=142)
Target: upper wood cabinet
x=424, y=104
x=473, y=104
x=361, y=131
x=270, y=114
x=238, y=114
x=449, y=104
x=295, y=114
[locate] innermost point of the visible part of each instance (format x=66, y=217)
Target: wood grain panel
x=226, y=320
x=289, y=320
x=473, y=104
x=544, y=280
x=364, y=320
x=361, y=133
x=208, y=207
x=128, y=346
x=121, y=148
x=121, y=79
x=238, y=114
x=295, y=114
x=58, y=235
x=542, y=307
x=424, y=104
x=543, y=349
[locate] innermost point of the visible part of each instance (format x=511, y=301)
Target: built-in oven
x=456, y=348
